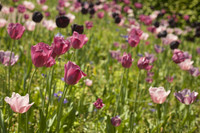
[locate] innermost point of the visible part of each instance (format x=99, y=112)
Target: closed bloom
x=178, y=56
x=6, y=58
x=88, y=24
x=126, y=60
x=2, y=22
x=78, y=40
x=99, y=103
x=73, y=73
x=88, y=82
x=186, y=65
x=60, y=46
x=77, y=28
x=29, y=5
x=18, y=103
x=100, y=14
x=133, y=40
x=143, y=63
x=186, y=96
x=30, y=25
x=116, y=121
x=41, y=55
x=21, y=8
x=15, y=30
x=158, y=95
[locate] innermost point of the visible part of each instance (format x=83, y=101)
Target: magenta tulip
x=18, y=103
x=116, y=121
x=41, y=55
x=78, y=40
x=126, y=60
x=15, y=30
x=143, y=63
x=73, y=73
x=99, y=103
x=178, y=56
x=133, y=40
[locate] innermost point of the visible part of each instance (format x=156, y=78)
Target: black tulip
x=62, y=21
x=91, y=5
x=91, y=11
x=160, y=15
x=117, y=20
x=77, y=28
x=114, y=14
x=174, y=45
x=162, y=34
x=84, y=11
x=37, y=17
x=0, y=7
x=156, y=24
x=98, y=3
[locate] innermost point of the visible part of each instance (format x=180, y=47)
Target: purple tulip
x=21, y=8
x=186, y=96
x=126, y=60
x=116, y=121
x=5, y=58
x=158, y=49
x=99, y=103
x=41, y=55
x=194, y=71
x=178, y=56
x=143, y=63
x=15, y=30
x=73, y=73
x=78, y=40
x=60, y=46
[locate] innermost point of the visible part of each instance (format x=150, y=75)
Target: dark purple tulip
x=99, y=103
x=37, y=17
x=41, y=55
x=116, y=121
x=186, y=96
x=126, y=60
x=21, y=8
x=62, y=21
x=15, y=30
x=77, y=28
x=178, y=56
x=73, y=73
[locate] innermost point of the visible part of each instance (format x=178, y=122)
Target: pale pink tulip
x=30, y=25
x=158, y=95
x=186, y=65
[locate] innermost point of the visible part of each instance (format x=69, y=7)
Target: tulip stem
x=29, y=88
x=159, y=115
x=59, y=112
x=9, y=66
x=137, y=89
x=18, y=123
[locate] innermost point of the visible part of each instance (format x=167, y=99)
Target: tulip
x=116, y=121
x=158, y=49
x=143, y=63
x=18, y=103
x=88, y=82
x=60, y=46
x=99, y=103
x=62, y=21
x=2, y=22
x=100, y=14
x=29, y=5
x=88, y=24
x=78, y=40
x=126, y=60
x=194, y=71
x=37, y=17
x=73, y=73
x=30, y=25
x=77, y=28
x=133, y=40
x=186, y=96
x=6, y=58
x=178, y=56
x=15, y=30
x=26, y=16
x=138, y=5
x=186, y=65
x=21, y=8
x=41, y=55
x=158, y=95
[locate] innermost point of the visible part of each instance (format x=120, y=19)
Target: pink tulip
x=5, y=10
x=60, y=46
x=143, y=63
x=18, y=103
x=15, y=30
x=126, y=60
x=138, y=5
x=21, y=8
x=29, y=5
x=11, y=9
x=41, y=1
x=44, y=7
x=133, y=40
x=73, y=73
x=30, y=25
x=100, y=14
x=78, y=40
x=41, y=55
x=186, y=64
x=158, y=95
x=186, y=17
x=2, y=22
x=88, y=82
x=89, y=24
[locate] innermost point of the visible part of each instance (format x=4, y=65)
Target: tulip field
x=99, y=66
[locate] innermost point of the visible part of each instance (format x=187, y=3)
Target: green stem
x=9, y=66
x=19, y=115
x=137, y=89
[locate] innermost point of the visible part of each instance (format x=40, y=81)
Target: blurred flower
x=41, y=55
x=26, y=16
x=178, y=56
x=186, y=64
x=144, y=36
x=116, y=55
x=150, y=57
x=29, y=5
x=158, y=95
x=116, y=121
x=186, y=17
x=194, y=71
x=100, y=14
x=174, y=44
x=73, y=73
x=47, y=14
x=30, y=25
x=149, y=80
x=21, y=8
x=170, y=79
x=2, y=22
x=5, y=10
x=143, y=63
x=187, y=55
x=44, y=7
x=11, y=9
x=99, y=103
x=77, y=28
x=60, y=46
x=71, y=17
x=186, y=96
x=37, y=17
x=89, y=24
x=159, y=49
x=138, y=5
x=198, y=50
x=18, y=103
x=49, y=24
x=41, y=1
x=88, y=82
x=7, y=58
x=133, y=40
x=78, y=40
x=126, y=60
x=116, y=44
x=15, y=30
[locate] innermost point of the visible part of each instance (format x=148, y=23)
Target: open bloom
x=88, y=24
x=158, y=95
x=41, y=55
x=30, y=25
x=133, y=40
x=116, y=121
x=60, y=46
x=186, y=65
x=178, y=56
x=2, y=22
x=29, y=5
x=78, y=40
x=73, y=73
x=143, y=63
x=126, y=60
x=18, y=103
x=6, y=59
x=99, y=103
x=186, y=96
x=15, y=30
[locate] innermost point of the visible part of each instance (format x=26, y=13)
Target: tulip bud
x=62, y=21
x=37, y=17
